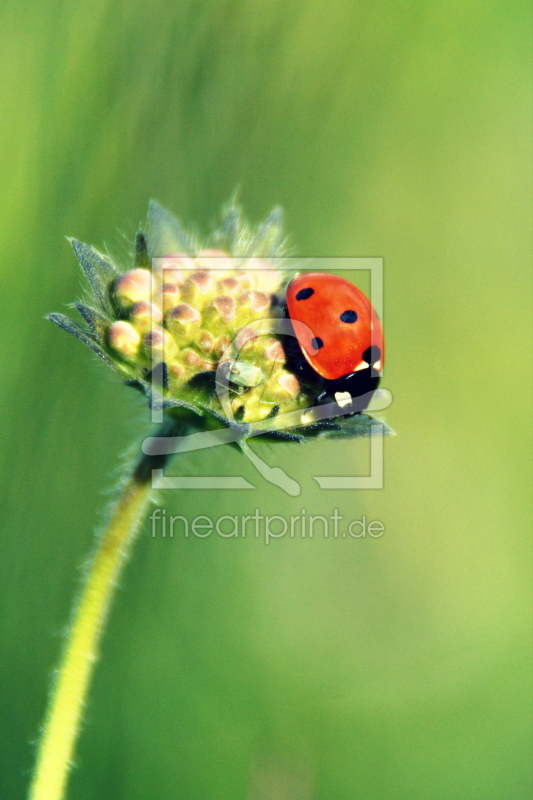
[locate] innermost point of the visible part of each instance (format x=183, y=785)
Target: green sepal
x=94, y=319
x=350, y=426
x=84, y=336
x=99, y=270
x=141, y=256
x=354, y=426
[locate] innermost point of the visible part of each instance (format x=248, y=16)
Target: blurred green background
x=386, y=669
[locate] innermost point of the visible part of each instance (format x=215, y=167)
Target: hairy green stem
x=62, y=724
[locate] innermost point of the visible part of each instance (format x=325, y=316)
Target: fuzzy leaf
x=346, y=427
x=84, y=336
x=166, y=234
x=94, y=319
x=357, y=425
x=99, y=270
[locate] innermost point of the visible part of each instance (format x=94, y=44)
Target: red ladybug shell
x=340, y=324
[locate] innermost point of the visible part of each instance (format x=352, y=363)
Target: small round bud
x=280, y=387
x=205, y=341
x=145, y=315
x=197, y=285
x=191, y=358
x=159, y=345
x=176, y=371
x=226, y=307
x=124, y=339
x=183, y=321
x=133, y=286
x=229, y=286
x=257, y=302
x=290, y=383
x=221, y=345
x=168, y=296
x=244, y=338
x=274, y=351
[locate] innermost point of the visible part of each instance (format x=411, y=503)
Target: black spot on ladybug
x=349, y=316
x=372, y=354
x=317, y=342
x=305, y=294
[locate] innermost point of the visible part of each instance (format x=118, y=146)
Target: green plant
x=199, y=330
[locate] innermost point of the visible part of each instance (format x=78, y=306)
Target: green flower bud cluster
x=198, y=327
x=195, y=315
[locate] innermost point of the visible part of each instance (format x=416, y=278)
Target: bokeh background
x=374, y=669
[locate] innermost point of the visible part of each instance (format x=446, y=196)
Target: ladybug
x=341, y=337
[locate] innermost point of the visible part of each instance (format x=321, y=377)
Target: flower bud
x=194, y=361
x=183, y=321
x=176, y=371
x=196, y=287
x=245, y=339
x=205, y=341
x=134, y=286
x=159, y=345
x=187, y=314
x=289, y=383
x=281, y=387
x=229, y=286
x=221, y=345
x=124, y=339
x=219, y=314
x=168, y=296
x=144, y=316
x=273, y=350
